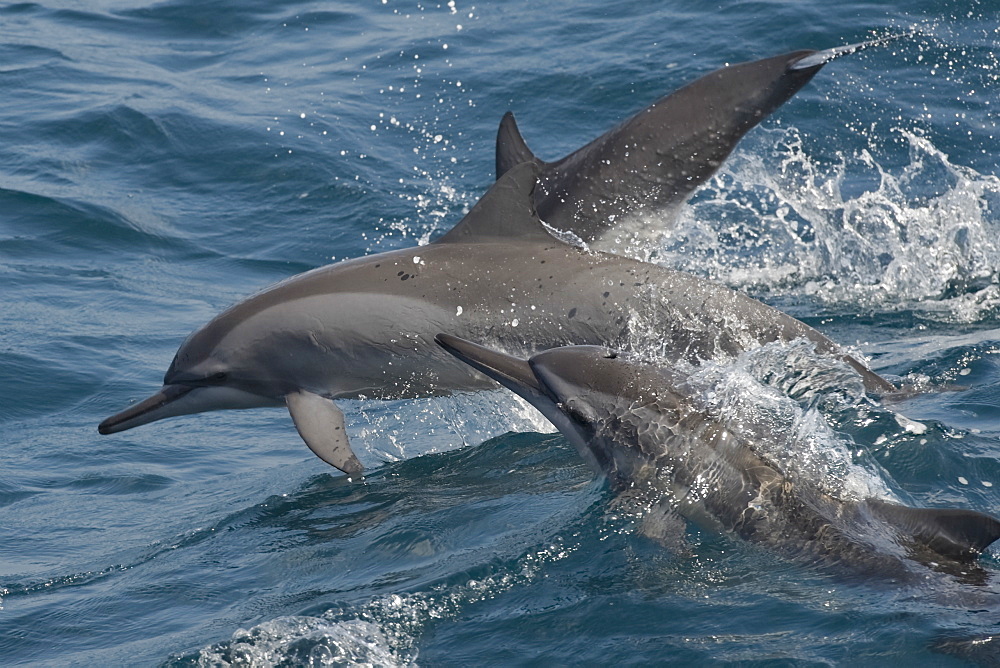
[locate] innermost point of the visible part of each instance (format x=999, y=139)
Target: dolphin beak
x=513, y=373
x=146, y=411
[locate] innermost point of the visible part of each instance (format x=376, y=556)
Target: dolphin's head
x=586, y=381
x=206, y=374
x=575, y=387
x=228, y=352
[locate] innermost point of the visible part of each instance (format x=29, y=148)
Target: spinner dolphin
x=365, y=327
x=642, y=426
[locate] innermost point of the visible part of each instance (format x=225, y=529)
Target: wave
x=383, y=631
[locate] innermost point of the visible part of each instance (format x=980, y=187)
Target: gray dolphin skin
x=655, y=159
x=364, y=328
x=642, y=427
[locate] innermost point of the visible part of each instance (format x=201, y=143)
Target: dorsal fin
x=506, y=211
x=512, y=150
x=951, y=532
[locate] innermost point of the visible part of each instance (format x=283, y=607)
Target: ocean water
x=160, y=161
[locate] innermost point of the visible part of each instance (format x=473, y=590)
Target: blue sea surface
x=160, y=161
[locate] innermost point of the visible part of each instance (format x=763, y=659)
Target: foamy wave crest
x=383, y=632
x=305, y=641
x=925, y=236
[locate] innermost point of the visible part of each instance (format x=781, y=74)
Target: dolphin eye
x=610, y=355
x=217, y=377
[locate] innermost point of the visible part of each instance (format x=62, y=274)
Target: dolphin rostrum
x=655, y=159
x=365, y=327
x=642, y=426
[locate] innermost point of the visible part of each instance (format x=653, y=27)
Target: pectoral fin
x=321, y=425
x=663, y=525
x=954, y=533
x=659, y=520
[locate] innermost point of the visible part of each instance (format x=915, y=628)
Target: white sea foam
x=306, y=641
x=923, y=236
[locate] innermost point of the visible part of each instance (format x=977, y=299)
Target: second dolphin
x=641, y=425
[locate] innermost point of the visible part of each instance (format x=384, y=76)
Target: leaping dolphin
x=643, y=428
x=654, y=160
x=365, y=327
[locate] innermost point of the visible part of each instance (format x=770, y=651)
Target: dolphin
x=364, y=328
x=654, y=160
x=642, y=427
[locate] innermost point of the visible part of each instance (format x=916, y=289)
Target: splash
x=925, y=237
x=781, y=398
x=424, y=105
x=878, y=218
